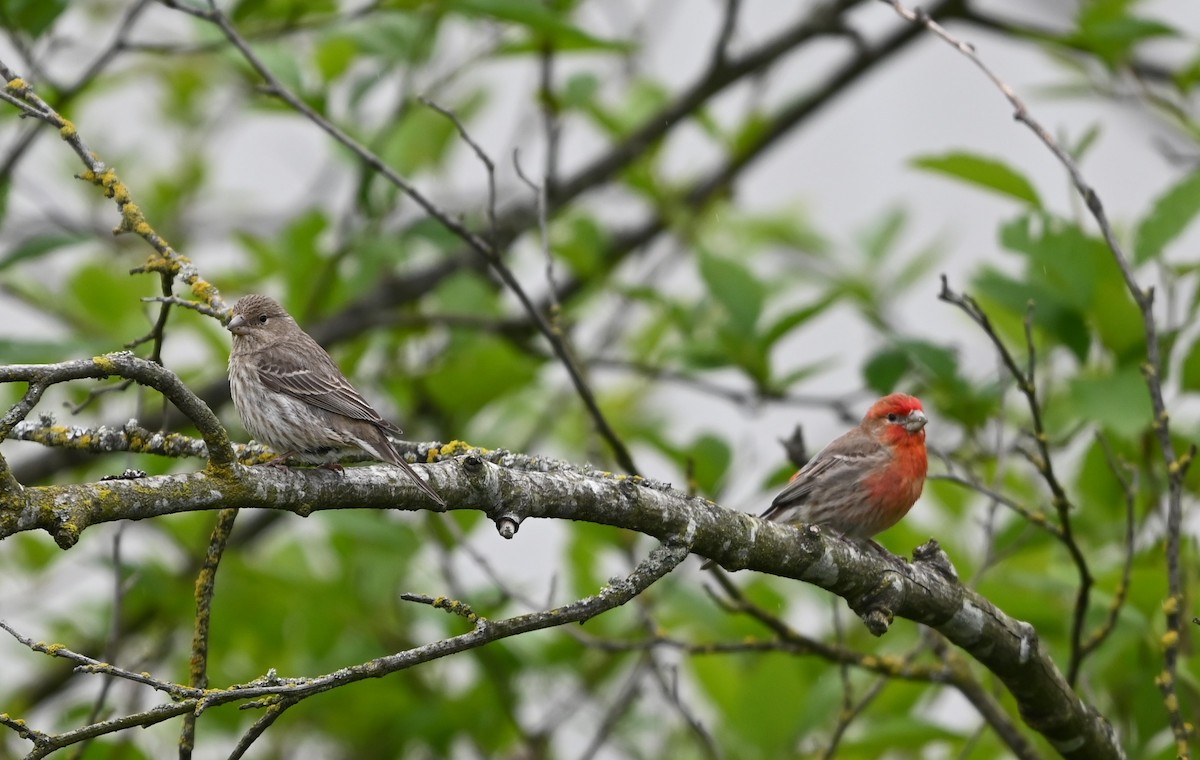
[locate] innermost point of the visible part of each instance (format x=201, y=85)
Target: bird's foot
x=877, y=548
x=332, y=467
x=280, y=462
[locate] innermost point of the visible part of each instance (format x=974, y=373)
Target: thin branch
x=259, y=727
x=112, y=647
x=488, y=165
x=221, y=316
x=85, y=664
x=1043, y=461
x=729, y=21
x=622, y=702
x=1121, y=592
x=670, y=691
x=168, y=261
x=206, y=584
x=270, y=689
x=553, y=334
x=543, y=225
x=473, y=241
x=126, y=365
x=1176, y=465
x=1035, y=517
x=133, y=438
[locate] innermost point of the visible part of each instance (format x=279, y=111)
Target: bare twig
x=259, y=727
x=1176, y=464
x=270, y=689
x=126, y=365
x=1043, y=460
x=168, y=261
x=1121, y=592
x=206, y=584
x=728, y=27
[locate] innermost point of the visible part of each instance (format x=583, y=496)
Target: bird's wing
x=844, y=461
x=312, y=377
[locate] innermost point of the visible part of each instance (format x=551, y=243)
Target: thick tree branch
x=875, y=588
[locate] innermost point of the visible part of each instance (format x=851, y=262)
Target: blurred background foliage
x=695, y=312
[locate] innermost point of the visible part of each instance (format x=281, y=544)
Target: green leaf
x=987, y=173
x=710, y=457
x=1108, y=29
x=1168, y=217
x=789, y=321
x=751, y=131
x=931, y=362
x=275, y=11
x=1118, y=401
x=582, y=243
x=30, y=16
x=788, y=228
x=1070, y=269
x=393, y=37
x=883, y=370
x=109, y=302
x=424, y=137
x=1190, y=369
x=580, y=91
x=804, y=372
x=334, y=56
x=880, y=238
x=457, y=386
x=39, y=351
x=1051, y=314
x=1188, y=76
x=1085, y=143
x=736, y=288
x=38, y=246
x=543, y=21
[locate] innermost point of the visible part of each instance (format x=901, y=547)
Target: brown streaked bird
x=292, y=397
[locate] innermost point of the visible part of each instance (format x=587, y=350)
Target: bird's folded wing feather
x=844, y=461
x=320, y=384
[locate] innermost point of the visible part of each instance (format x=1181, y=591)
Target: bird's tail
x=398, y=460
x=383, y=449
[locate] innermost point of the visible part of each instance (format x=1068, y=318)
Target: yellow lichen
x=1170, y=639
x=459, y=447
x=1170, y=605
x=105, y=363
x=67, y=130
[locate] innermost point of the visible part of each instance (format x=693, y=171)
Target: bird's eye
x=892, y=417
x=262, y=320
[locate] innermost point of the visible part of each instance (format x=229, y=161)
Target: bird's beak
x=235, y=325
x=915, y=421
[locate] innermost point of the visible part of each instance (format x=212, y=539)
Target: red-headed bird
x=866, y=480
